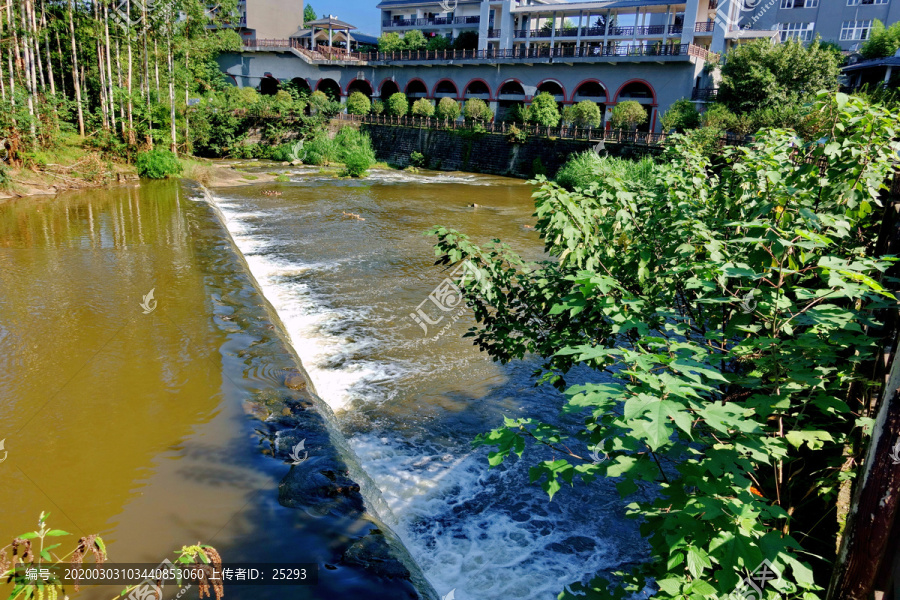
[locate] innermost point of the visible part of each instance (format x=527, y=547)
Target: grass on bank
x=585, y=168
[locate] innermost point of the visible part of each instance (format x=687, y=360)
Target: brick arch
x=598, y=82
x=413, y=80
x=478, y=80
x=358, y=87
x=386, y=80
x=551, y=80
x=328, y=82
x=447, y=80
x=641, y=81
x=511, y=80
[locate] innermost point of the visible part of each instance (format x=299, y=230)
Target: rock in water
x=295, y=380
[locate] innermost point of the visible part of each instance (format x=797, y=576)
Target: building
x=844, y=22
x=651, y=51
x=270, y=19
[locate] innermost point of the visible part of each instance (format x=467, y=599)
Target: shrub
x=423, y=107
x=628, y=114
x=417, y=159
x=397, y=105
x=438, y=42
x=516, y=135
x=543, y=110
x=585, y=168
x=354, y=148
x=377, y=107
x=414, y=39
x=390, y=42
x=357, y=162
x=882, y=42
x=760, y=74
x=477, y=110
x=158, y=164
x=318, y=100
x=587, y=114
x=447, y=109
x=717, y=116
x=567, y=115
x=682, y=115
x=320, y=150
x=358, y=104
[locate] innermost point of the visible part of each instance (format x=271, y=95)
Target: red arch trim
x=647, y=83
x=581, y=83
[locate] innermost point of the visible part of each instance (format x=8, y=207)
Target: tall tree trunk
x=75, y=78
x=171, y=58
x=62, y=68
x=131, y=137
x=15, y=52
x=30, y=79
x=2, y=75
x=145, y=25
x=121, y=87
x=109, y=77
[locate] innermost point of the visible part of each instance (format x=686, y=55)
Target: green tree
x=423, y=107
x=447, y=109
x=477, y=110
x=358, y=104
x=882, y=42
x=377, y=107
x=726, y=312
x=681, y=116
x=587, y=114
x=438, y=42
x=391, y=42
x=397, y=105
x=414, y=40
x=628, y=115
x=543, y=110
x=309, y=14
x=760, y=74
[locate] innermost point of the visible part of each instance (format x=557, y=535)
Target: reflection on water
x=130, y=423
x=344, y=289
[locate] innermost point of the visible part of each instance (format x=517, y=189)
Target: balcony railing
x=598, y=51
x=590, y=134
x=494, y=33
x=599, y=31
x=431, y=21
x=704, y=94
x=498, y=54
x=704, y=27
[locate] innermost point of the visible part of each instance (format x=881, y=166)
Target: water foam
x=472, y=530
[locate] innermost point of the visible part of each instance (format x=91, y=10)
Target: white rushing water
x=484, y=534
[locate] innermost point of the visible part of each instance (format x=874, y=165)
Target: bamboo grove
x=119, y=72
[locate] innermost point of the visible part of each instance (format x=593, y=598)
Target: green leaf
x=697, y=561
x=57, y=533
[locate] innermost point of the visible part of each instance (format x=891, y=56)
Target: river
x=105, y=439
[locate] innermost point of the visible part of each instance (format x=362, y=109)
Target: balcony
x=598, y=52
x=600, y=31
x=433, y=21
x=704, y=27
x=704, y=94
x=493, y=33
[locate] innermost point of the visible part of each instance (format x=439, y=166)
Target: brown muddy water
x=135, y=425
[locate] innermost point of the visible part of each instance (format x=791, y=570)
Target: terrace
x=587, y=53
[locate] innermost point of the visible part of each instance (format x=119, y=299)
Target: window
x=855, y=30
x=801, y=31
x=800, y=3
x=858, y=2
